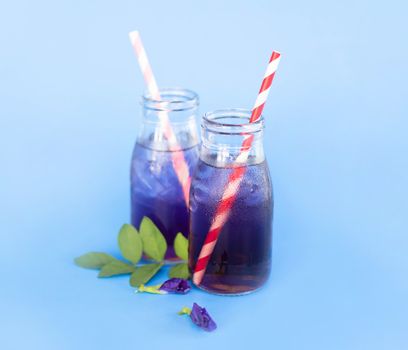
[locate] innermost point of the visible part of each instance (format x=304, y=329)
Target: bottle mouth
x=231, y=121
x=171, y=100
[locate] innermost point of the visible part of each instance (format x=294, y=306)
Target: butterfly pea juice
x=155, y=188
x=241, y=260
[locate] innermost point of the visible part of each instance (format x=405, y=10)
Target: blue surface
x=336, y=142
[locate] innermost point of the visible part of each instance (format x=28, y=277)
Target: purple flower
x=176, y=285
x=201, y=318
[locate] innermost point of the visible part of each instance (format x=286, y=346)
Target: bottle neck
x=223, y=136
x=169, y=123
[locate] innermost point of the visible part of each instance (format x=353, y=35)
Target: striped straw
x=235, y=178
x=178, y=160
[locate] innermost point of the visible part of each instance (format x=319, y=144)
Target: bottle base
x=228, y=293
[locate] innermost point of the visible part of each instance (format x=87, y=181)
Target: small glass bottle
x=155, y=189
x=241, y=259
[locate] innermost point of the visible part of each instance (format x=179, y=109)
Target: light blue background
x=336, y=142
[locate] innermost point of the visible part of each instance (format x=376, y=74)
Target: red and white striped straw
x=235, y=178
x=178, y=160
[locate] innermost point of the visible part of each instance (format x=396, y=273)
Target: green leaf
x=130, y=243
x=179, y=271
x=154, y=243
x=143, y=274
x=93, y=260
x=114, y=268
x=181, y=246
x=184, y=311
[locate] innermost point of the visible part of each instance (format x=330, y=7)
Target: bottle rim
x=172, y=99
x=231, y=121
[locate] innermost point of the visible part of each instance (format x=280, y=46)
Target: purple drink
x=241, y=260
x=157, y=194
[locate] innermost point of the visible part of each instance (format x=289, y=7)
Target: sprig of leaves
x=132, y=244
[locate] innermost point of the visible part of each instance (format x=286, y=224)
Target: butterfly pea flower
x=200, y=317
x=176, y=285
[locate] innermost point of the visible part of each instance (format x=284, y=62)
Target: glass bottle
x=155, y=189
x=241, y=259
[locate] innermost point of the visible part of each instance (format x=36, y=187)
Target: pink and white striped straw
x=236, y=176
x=178, y=160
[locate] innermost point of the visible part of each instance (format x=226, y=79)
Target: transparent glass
x=155, y=189
x=241, y=260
